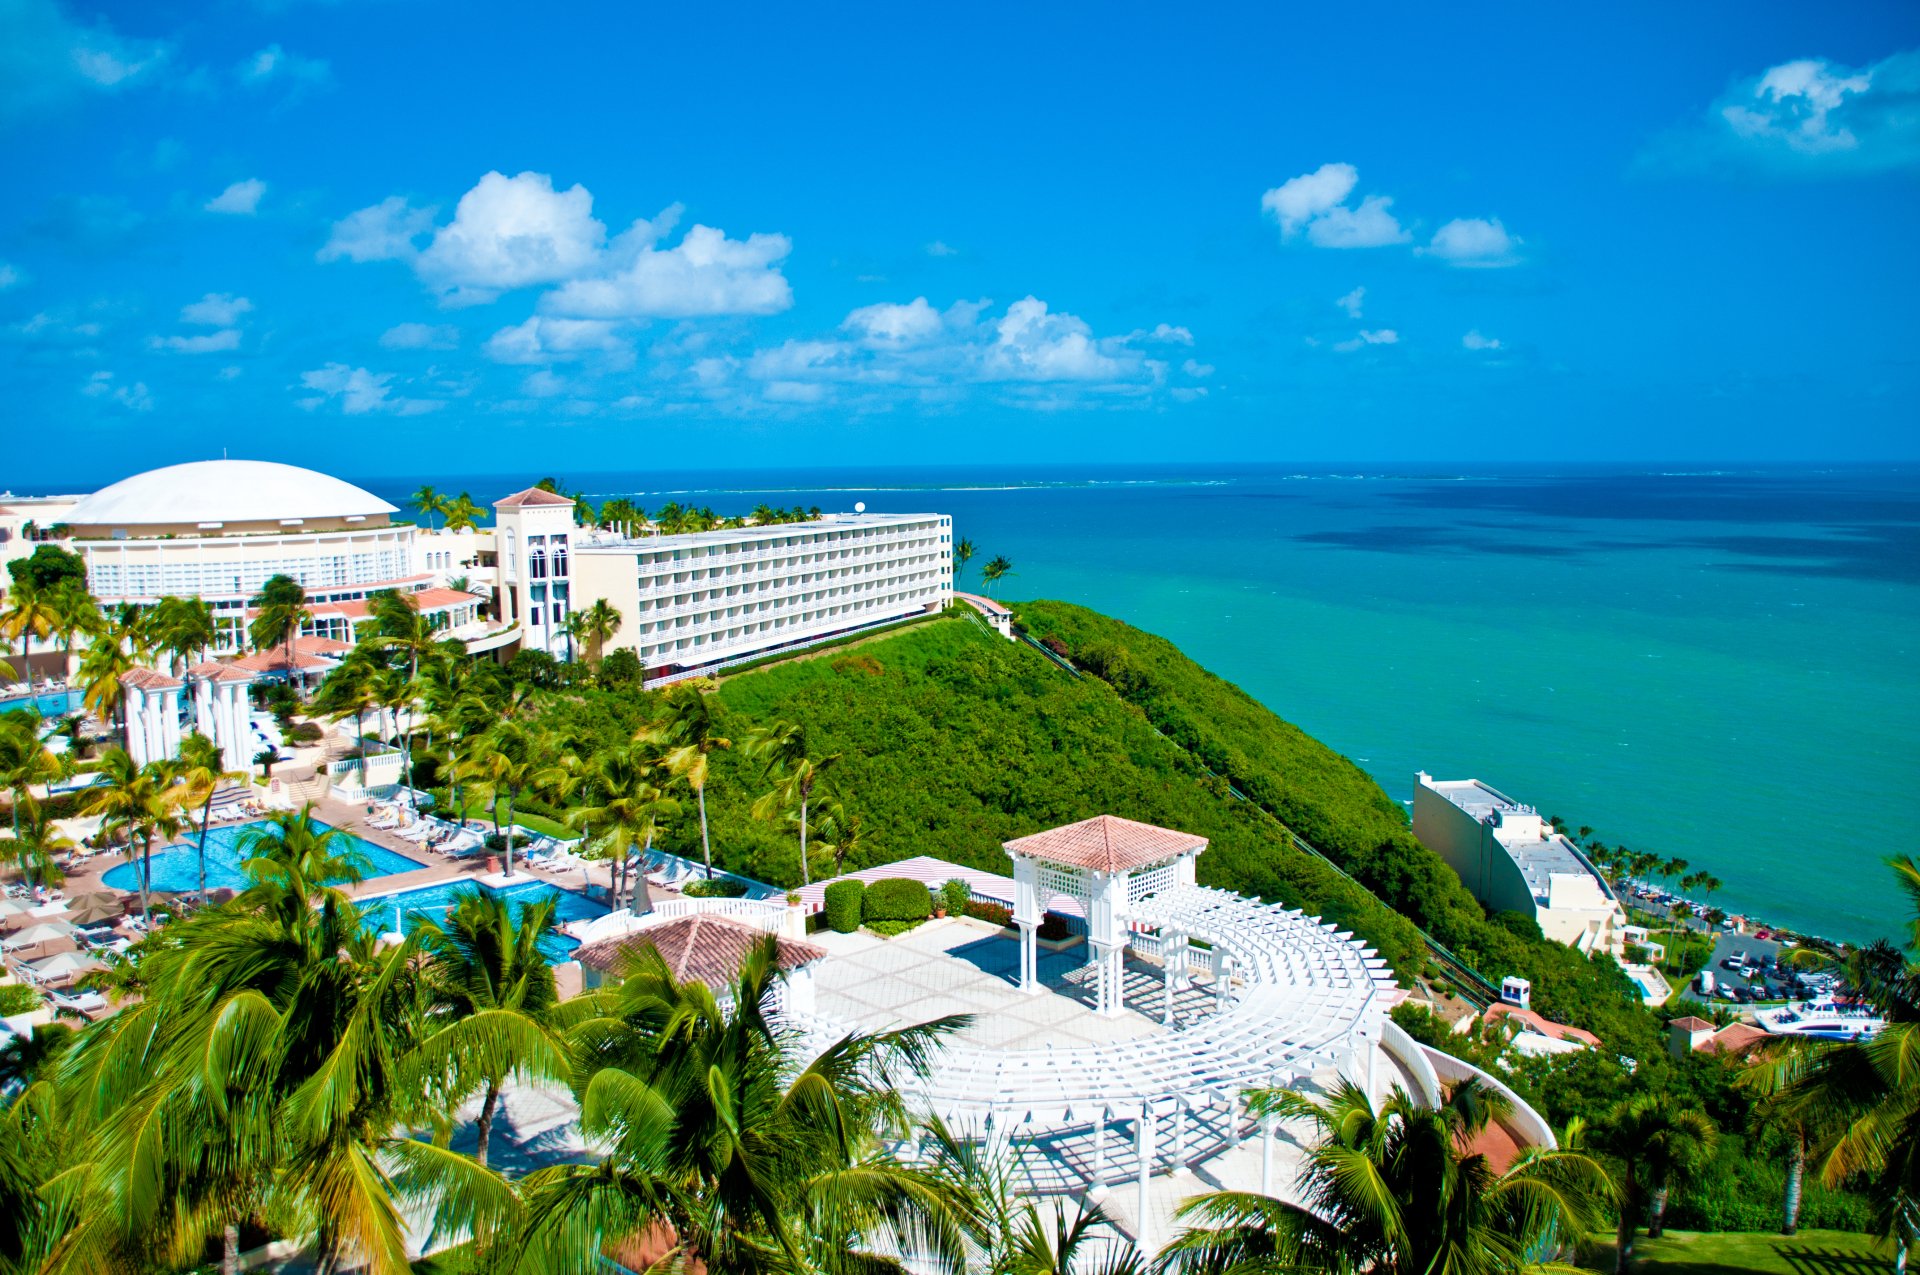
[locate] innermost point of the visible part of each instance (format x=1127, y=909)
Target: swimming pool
x=435, y=900
x=178, y=866
x=47, y=703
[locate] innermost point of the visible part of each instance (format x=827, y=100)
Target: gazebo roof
x=1107, y=843
x=703, y=948
x=146, y=679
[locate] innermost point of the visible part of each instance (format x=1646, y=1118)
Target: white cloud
x=1196, y=369
x=274, y=64
x=1809, y=117
x=420, y=336
x=515, y=232
x=47, y=59
x=11, y=276
x=1316, y=203
x=706, y=274
x=1353, y=302
x=1036, y=356
x=360, y=392
x=135, y=397
x=216, y=310
x=1475, y=341
x=383, y=232
x=512, y=232
x=48, y=330
x=1378, y=336
x=242, y=198
x=889, y=324
x=939, y=249
x=206, y=343
x=548, y=340
x=229, y=373
x=543, y=384
x=1473, y=241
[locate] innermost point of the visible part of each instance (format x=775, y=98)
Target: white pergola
x=1290, y=996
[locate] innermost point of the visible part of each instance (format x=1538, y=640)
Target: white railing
x=1526, y=1124
x=762, y=914
x=1406, y=1051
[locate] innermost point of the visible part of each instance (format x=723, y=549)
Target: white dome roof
x=224, y=491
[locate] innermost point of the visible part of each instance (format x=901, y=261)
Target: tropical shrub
x=304, y=732
x=18, y=998
x=715, y=888
x=843, y=906
x=620, y=668
x=955, y=895
x=888, y=929
x=993, y=912
x=1054, y=927
x=897, y=899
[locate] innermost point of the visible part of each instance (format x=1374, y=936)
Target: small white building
x=1514, y=861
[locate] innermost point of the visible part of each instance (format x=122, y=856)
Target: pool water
x=178, y=866
x=47, y=704
x=436, y=901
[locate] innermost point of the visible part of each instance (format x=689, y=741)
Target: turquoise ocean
x=1714, y=664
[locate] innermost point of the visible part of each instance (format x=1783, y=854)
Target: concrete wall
x=1469, y=848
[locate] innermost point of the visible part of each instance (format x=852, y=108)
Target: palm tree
x=349, y=691
x=489, y=982
x=500, y=762
x=962, y=555
x=202, y=770
x=995, y=571
x=782, y=750
x=29, y=616
x=1660, y=1145
x=76, y=614
x=631, y=810
x=101, y=668
x=689, y=733
x=838, y=832
x=428, y=502
x=726, y=1150
x=25, y=760
x=182, y=627
x=141, y=801
x=599, y=623
x=461, y=512
x=281, y=608
x=1395, y=1190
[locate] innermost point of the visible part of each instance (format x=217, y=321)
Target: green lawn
x=1741, y=1253
x=526, y=819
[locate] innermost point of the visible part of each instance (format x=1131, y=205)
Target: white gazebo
x=153, y=714
x=223, y=712
x=1108, y=864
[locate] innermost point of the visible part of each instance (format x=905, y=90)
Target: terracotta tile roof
x=1106, y=843
x=1692, y=1024
x=706, y=948
x=424, y=600
x=532, y=496
x=215, y=671
x=1545, y=1026
x=1736, y=1039
x=305, y=645
x=146, y=679
x=308, y=653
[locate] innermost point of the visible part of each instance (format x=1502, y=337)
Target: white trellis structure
x=1290, y=996
x=1108, y=864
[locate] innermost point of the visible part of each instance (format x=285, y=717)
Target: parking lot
x=1732, y=950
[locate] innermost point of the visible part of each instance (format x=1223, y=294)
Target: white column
x=1266, y=1154
x=1144, y=1144
x=1182, y=1118
x=1170, y=951
x=1029, y=958
x=205, y=692
x=136, y=725
x=1099, y=1186
x=170, y=722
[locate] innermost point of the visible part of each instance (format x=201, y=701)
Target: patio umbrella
x=66, y=965
x=91, y=908
x=40, y=932
x=89, y=897
x=14, y=907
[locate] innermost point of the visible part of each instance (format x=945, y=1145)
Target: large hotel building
x=688, y=604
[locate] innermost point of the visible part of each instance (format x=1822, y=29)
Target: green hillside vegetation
x=1336, y=807
x=954, y=741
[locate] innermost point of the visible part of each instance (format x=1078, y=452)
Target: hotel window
x=536, y=557
x=537, y=597
x=559, y=555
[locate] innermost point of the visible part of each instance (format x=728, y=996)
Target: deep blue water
x=1714, y=663
x=435, y=901
x=178, y=866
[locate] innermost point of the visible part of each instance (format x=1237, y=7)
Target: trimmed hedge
x=897, y=899
x=843, y=906
x=993, y=912
x=1053, y=928
x=716, y=888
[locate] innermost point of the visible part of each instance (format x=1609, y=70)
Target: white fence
x=762, y=914
x=1527, y=1125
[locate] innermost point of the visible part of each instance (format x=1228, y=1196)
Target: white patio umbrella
x=66, y=965
x=40, y=932
x=14, y=907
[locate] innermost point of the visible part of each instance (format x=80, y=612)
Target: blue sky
x=391, y=236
